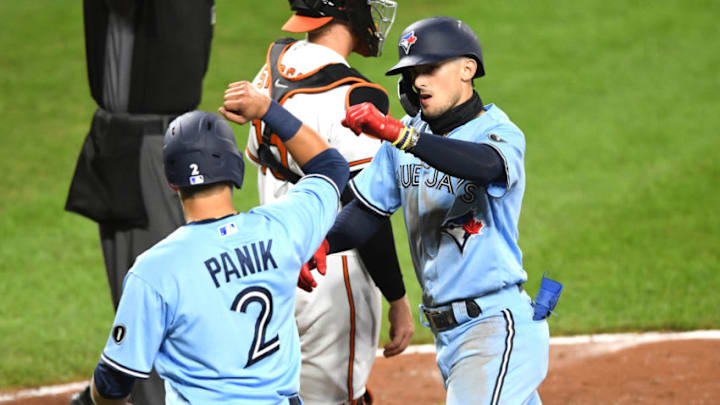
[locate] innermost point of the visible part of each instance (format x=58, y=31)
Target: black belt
x=147, y=124
x=442, y=318
x=294, y=400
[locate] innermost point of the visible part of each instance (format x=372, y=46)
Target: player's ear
x=468, y=67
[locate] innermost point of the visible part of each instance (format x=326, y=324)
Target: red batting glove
x=318, y=261
x=306, y=280
x=366, y=118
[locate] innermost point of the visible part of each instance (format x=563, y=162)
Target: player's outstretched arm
x=466, y=160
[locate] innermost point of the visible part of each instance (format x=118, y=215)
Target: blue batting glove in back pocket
x=547, y=298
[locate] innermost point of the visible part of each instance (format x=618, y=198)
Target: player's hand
x=366, y=118
x=306, y=281
x=318, y=261
x=244, y=102
x=402, y=327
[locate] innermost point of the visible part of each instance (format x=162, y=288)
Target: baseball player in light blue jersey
x=455, y=166
x=211, y=306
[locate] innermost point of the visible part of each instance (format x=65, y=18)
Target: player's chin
x=431, y=112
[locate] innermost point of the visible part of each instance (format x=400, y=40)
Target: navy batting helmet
x=434, y=40
x=199, y=148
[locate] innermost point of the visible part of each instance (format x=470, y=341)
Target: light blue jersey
x=463, y=236
x=463, y=241
x=211, y=306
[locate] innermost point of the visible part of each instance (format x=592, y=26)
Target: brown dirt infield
x=671, y=372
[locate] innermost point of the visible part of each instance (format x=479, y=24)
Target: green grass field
x=618, y=102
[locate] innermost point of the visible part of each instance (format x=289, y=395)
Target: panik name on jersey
x=247, y=259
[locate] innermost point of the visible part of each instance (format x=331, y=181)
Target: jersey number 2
x=260, y=348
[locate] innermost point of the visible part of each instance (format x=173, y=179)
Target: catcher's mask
x=432, y=40
x=199, y=149
x=370, y=20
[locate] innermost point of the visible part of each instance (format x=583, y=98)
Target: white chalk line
x=44, y=391
x=623, y=340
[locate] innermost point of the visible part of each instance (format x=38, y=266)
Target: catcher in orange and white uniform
x=338, y=322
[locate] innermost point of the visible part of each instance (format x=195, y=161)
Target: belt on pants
x=448, y=316
x=294, y=400
x=147, y=124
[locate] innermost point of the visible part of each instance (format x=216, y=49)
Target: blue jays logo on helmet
x=462, y=228
x=407, y=40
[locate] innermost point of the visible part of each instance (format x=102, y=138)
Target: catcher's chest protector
x=284, y=84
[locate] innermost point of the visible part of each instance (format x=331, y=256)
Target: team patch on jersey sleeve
x=118, y=333
x=370, y=92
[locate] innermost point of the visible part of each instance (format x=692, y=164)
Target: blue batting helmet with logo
x=436, y=39
x=199, y=148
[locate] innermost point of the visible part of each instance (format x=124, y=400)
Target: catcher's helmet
x=432, y=40
x=199, y=148
x=370, y=20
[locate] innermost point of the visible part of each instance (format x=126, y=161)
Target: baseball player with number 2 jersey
x=211, y=306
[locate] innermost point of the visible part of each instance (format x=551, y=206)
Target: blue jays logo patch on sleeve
x=118, y=333
x=407, y=40
x=462, y=228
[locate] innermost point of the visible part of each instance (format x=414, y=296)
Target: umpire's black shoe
x=82, y=398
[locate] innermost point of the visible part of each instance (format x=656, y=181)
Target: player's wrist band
x=407, y=139
x=281, y=121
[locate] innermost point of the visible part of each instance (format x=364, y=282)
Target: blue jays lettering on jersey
x=216, y=301
x=463, y=236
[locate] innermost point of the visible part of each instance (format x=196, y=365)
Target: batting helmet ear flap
x=409, y=98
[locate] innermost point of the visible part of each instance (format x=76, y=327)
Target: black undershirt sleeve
x=378, y=254
x=331, y=164
x=111, y=383
x=357, y=226
x=478, y=162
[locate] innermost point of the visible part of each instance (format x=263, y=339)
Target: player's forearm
x=354, y=225
x=301, y=141
x=463, y=159
x=466, y=160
